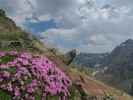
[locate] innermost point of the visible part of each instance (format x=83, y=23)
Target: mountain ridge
x=115, y=68
x=120, y=65
x=91, y=60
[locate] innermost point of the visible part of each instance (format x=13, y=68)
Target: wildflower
x=16, y=92
x=33, y=73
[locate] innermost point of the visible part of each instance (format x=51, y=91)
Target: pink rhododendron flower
x=27, y=74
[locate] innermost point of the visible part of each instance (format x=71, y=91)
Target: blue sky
x=40, y=26
x=93, y=26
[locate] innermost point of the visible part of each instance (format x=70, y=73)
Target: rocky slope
x=119, y=67
x=114, y=68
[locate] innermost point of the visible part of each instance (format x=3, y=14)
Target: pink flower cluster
x=26, y=75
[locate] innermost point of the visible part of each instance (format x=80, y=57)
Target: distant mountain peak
x=128, y=42
x=120, y=66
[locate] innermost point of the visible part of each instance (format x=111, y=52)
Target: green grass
x=10, y=70
x=6, y=59
x=12, y=36
x=37, y=97
x=74, y=94
x=4, y=96
x=52, y=98
x=2, y=19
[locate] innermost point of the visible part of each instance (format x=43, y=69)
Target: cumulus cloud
x=88, y=25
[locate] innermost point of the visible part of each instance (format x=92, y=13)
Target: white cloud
x=44, y=17
x=88, y=25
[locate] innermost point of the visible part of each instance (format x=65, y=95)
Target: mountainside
x=114, y=68
x=89, y=85
x=119, y=66
x=13, y=37
x=89, y=60
x=38, y=70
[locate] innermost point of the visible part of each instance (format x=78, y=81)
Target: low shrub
x=28, y=77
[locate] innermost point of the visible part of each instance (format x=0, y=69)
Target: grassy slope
x=10, y=32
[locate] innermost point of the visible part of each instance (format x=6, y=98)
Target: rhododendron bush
x=25, y=76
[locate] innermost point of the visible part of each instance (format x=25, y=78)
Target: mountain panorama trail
x=29, y=70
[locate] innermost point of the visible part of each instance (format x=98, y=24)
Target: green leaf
x=4, y=95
